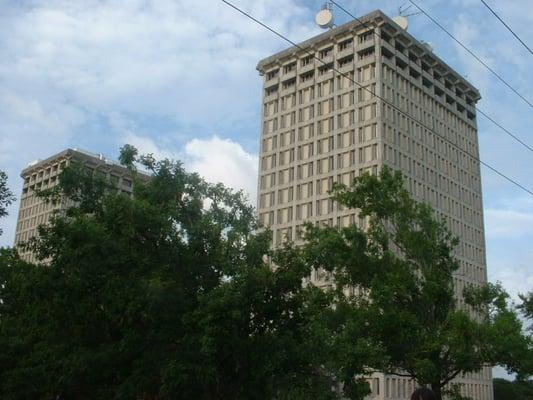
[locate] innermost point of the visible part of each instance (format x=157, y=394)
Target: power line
x=507, y=26
x=472, y=53
x=504, y=129
x=476, y=158
x=491, y=119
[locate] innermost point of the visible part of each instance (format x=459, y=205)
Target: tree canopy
x=166, y=294
x=6, y=196
x=174, y=292
x=404, y=264
x=516, y=390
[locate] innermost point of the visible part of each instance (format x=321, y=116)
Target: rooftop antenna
x=324, y=18
x=404, y=11
x=403, y=14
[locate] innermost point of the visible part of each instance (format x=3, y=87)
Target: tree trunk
x=437, y=390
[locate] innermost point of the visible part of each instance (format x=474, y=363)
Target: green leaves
x=403, y=266
x=517, y=390
x=166, y=294
x=128, y=155
x=175, y=293
x=6, y=197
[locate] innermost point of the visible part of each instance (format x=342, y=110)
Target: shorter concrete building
x=43, y=174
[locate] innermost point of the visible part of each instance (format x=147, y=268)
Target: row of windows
x=37, y=207
x=429, y=147
x=468, y=232
x=305, y=96
x=475, y=390
x=325, y=125
x=322, y=54
x=419, y=119
x=343, y=140
x=342, y=160
x=429, y=118
x=462, y=219
x=34, y=221
x=449, y=191
x=436, y=119
x=326, y=86
x=484, y=374
x=403, y=387
x=24, y=236
x=446, y=203
x=300, y=212
x=405, y=86
x=395, y=118
x=442, y=174
x=471, y=252
x=417, y=99
x=398, y=387
x=305, y=190
x=45, y=183
x=45, y=172
x=415, y=60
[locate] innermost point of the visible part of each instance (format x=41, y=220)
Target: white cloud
x=514, y=273
x=508, y=223
x=509, y=228
x=215, y=159
x=225, y=161
x=188, y=59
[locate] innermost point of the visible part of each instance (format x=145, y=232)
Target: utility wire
x=491, y=119
x=507, y=26
x=527, y=146
x=476, y=158
x=472, y=53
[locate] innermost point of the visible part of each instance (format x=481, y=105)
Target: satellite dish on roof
x=401, y=21
x=324, y=18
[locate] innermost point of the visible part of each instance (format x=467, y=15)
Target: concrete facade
x=322, y=122
x=43, y=174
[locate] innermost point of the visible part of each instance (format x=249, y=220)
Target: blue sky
x=177, y=78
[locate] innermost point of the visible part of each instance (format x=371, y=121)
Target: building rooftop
x=38, y=164
x=381, y=19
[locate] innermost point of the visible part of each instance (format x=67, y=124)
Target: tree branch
x=450, y=377
x=408, y=375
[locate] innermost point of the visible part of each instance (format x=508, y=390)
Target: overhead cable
x=507, y=26
x=479, y=59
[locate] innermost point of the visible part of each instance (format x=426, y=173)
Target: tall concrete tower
x=323, y=122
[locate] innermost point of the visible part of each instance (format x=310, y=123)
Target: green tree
x=501, y=331
x=167, y=294
x=6, y=196
x=527, y=305
x=516, y=390
x=526, y=308
x=403, y=265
